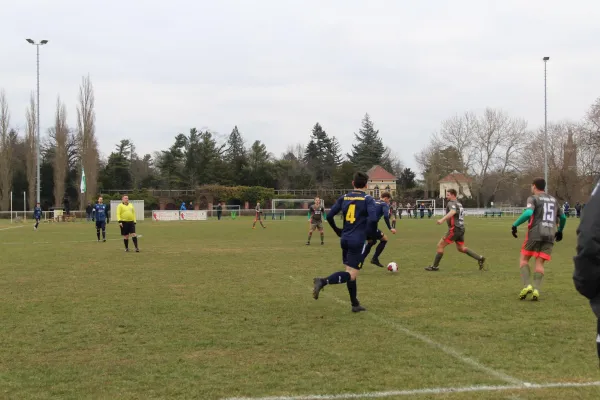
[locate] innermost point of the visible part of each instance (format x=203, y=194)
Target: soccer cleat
x=322, y=243
x=481, y=263
x=137, y=250
x=358, y=308
x=319, y=285
x=126, y=250
x=432, y=268
x=525, y=292
x=308, y=243
x=536, y=295
x=377, y=263
x=104, y=240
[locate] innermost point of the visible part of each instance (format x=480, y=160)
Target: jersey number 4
x=351, y=213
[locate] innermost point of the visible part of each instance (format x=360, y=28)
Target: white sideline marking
x=11, y=227
x=70, y=241
x=448, y=350
x=466, y=389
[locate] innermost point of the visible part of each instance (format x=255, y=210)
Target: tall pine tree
x=236, y=158
x=368, y=149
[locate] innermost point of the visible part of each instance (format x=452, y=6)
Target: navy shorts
x=100, y=224
x=352, y=253
x=378, y=235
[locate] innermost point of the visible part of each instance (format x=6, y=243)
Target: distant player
x=316, y=220
x=127, y=220
x=99, y=215
x=358, y=209
x=456, y=233
x=37, y=215
x=542, y=212
x=382, y=210
x=258, y=216
x=393, y=214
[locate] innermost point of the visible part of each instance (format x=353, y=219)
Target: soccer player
x=455, y=218
x=100, y=217
x=360, y=215
x=316, y=220
x=382, y=210
x=393, y=214
x=258, y=217
x=127, y=221
x=37, y=215
x=542, y=212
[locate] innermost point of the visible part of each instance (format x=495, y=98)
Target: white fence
x=176, y=215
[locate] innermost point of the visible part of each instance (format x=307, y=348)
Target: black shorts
x=100, y=224
x=377, y=236
x=455, y=236
x=128, y=228
x=352, y=253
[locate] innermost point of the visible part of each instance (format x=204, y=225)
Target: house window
x=376, y=194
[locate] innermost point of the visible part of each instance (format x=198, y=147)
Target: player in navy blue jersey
x=383, y=210
x=100, y=218
x=360, y=215
x=37, y=215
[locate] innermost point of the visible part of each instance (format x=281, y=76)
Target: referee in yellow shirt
x=126, y=219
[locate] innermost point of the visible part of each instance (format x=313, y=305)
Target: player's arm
x=335, y=210
x=587, y=261
x=562, y=220
x=386, y=216
x=446, y=217
x=119, y=212
x=133, y=212
x=527, y=213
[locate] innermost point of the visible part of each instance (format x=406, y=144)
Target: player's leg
x=261, y=223
x=445, y=241
x=104, y=231
x=544, y=254
x=321, y=232
x=528, y=250
x=460, y=246
x=98, y=228
x=134, y=237
x=367, y=249
x=379, y=249
x=37, y=223
x=125, y=234
x=310, y=232
x=254, y=223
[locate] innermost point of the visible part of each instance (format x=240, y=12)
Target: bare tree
x=5, y=153
x=30, y=152
x=61, y=135
x=86, y=137
x=460, y=132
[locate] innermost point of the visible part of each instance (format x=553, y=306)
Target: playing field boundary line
x=416, y=392
x=69, y=241
x=445, y=349
x=11, y=227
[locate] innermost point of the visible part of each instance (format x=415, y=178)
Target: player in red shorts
x=258, y=216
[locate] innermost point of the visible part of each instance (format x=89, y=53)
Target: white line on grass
x=415, y=392
x=448, y=350
x=70, y=241
x=11, y=227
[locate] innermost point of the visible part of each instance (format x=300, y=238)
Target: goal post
x=429, y=205
x=280, y=208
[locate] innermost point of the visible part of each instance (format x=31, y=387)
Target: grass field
x=212, y=310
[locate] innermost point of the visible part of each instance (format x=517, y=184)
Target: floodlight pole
x=546, y=125
x=37, y=142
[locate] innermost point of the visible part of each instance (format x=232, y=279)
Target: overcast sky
x=275, y=67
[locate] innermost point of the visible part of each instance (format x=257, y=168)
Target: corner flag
x=82, y=186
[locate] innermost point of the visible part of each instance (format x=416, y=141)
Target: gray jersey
x=316, y=213
x=458, y=220
x=546, y=213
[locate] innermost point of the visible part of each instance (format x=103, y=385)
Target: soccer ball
x=393, y=267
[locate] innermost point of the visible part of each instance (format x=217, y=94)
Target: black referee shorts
x=128, y=227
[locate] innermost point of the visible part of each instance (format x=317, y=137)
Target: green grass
x=214, y=309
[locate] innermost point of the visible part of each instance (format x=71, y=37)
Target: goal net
x=284, y=208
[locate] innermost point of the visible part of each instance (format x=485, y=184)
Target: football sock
x=525, y=274
x=352, y=291
x=309, y=236
x=322, y=237
x=98, y=233
x=367, y=250
x=338, y=277
x=472, y=254
x=379, y=249
x=126, y=241
x=103, y=233
x=36, y=224
x=134, y=241
x=537, y=280
x=438, y=258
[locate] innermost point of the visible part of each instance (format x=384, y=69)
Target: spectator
x=422, y=210
x=219, y=211
x=88, y=211
x=182, y=208
x=430, y=211
x=578, y=209
x=566, y=207
x=409, y=210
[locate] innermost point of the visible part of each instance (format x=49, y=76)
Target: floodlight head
x=546, y=58
x=30, y=41
x=43, y=42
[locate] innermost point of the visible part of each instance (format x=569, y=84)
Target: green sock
x=525, y=274
x=537, y=280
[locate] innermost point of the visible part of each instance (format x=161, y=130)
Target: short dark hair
x=360, y=180
x=386, y=195
x=453, y=192
x=539, y=183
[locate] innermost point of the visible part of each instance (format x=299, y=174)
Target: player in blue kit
x=360, y=215
x=100, y=218
x=37, y=215
x=383, y=210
